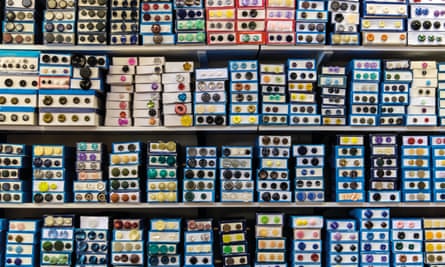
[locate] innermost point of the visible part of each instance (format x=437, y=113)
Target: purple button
x=93, y=157
x=369, y=258
x=82, y=156
x=378, y=139
x=334, y=225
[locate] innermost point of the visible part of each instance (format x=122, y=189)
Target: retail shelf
x=119, y=206
x=105, y=129
x=346, y=129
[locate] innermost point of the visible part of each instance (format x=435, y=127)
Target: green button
x=153, y=249
x=172, y=174
x=171, y=248
x=373, y=76
x=47, y=246
x=264, y=219
x=125, y=172
x=189, y=25
x=115, y=172
x=256, y=38
x=411, y=246
x=388, y=76
x=227, y=249
x=379, y=162
x=399, y=246
x=277, y=219
x=152, y=173
x=397, y=76
x=181, y=38
x=53, y=260
x=94, y=146
x=162, y=159
x=246, y=38
x=58, y=245
x=421, y=38
x=366, y=76
x=163, y=249
x=431, y=38
x=163, y=173
x=151, y=104
x=134, y=172
x=115, y=184
x=240, y=249
x=180, y=26
x=189, y=37
x=125, y=185
x=358, y=76
x=189, y=196
x=171, y=160
x=200, y=24
x=200, y=37
x=46, y=258
x=153, y=160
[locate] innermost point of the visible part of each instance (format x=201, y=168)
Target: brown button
x=157, y=39
x=431, y=258
x=7, y=38
x=125, y=197
x=419, y=162
x=421, y=174
x=402, y=258
x=134, y=258
x=114, y=198
x=134, y=197
x=19, y=39
x=156, y=28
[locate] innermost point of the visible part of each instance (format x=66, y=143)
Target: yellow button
x=53, y=186
x=38, y=151
x=252, y=119
x=159, y=225
x=382, y=24
x=429, y=235
x=43, y=187
x=366, y=23
x=134, y=235
x=200, y=109
x=115, y=159
x=48, y=150
x=171, y=196
x=236, y=119
x=186, y=120
x=429, y=248
x=57, y=151
x=161, y=197
x=171, y=186
x=125, y=159
x=227, y=239
x=119, y=235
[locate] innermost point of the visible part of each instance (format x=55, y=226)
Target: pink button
x=132, y=61
x=315, y=234
x=352, y=237
x=312, y=222
x=123, y=78
x=400, y=225
x=300, y=234
x=424, y=65
x=12, y=226
x=83, y=176
x=337, y=236
x=21, y=226
x=411, y=225
x=123, y=105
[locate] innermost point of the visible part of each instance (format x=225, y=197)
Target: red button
x=411, y=141
x=420, y=141
x=155, y=6
x=300, y=257
x=314, y=257
x=166, y=7
x=117, y=224
x=127, y=225
x=427, y=119
x=181, y=86
x=146, y=7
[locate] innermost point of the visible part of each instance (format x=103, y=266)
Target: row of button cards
x=374, y=226
x=157, y=23
x=162, y=168
x=221, y=22
x=311, y=22
x=210, y=97
x=244, y=97
x=349, y=167
x=57, y=240
x=22, y=242
x=125, y=172
x=200, y=174
x=309, y=172
x=345, y=22
x=270, y=239
x=433, y=240
x=342, y=242
x=302, y=87
x=50, y=174
x=234, y=243
x=90, y=184
x=124, y=28
x=407, y=245
x=364, y=101
x=190, y=22
x=59, y=24
x=14, y=168
x=306, y=240
x=164, y=237
x=20, y=21
x=274, y=108
x=384, y=176
x=198, y=251
x=92, y=22
x=92, y=241
x=127, y=245
x=18, y=107
x=416, y=169
x=236, y=179
x=273, y=182
x=333, y=97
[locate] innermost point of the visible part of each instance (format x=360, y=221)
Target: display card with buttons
x=422, y=95
x=21, y=246
x=405, y=244
x=345, y=21
x=59, y=24
x=177, y=96
x=302, y=92
x=311, y=22
x=57, y=240
x=221, y=22
x=306, y=241
x=90, y=184
x=273, y=181
x=364, y=99
x=280, y=22
x=244, y=96
x=18, y=70
x=15, y=168
x=92, y=241
x=374, y=226
x=157, y=23
x=92, y=21
x=343, y=242
x=198, y=252
x=332, y=80
x=416, y=169
x=425, y=24
x=20, y=22
x=127, y=245
x=210, y=97
x=441, y=93
x=309, y=172
x=349, y=167
x=234, y=242
x=50, y=173
x=384, y=23
x=394, y=93
x=147, y=96
x=274, y=104
x=125, y=171
x=163, y=242
x=438, y=167
x=124, y=22
x=270, y=239
x=251, y=21
x=384, y=181
x=191, y=19
x=236, y=174
x=162, y=172
x=200, y=173
x=122, y=82
x=433, y=236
